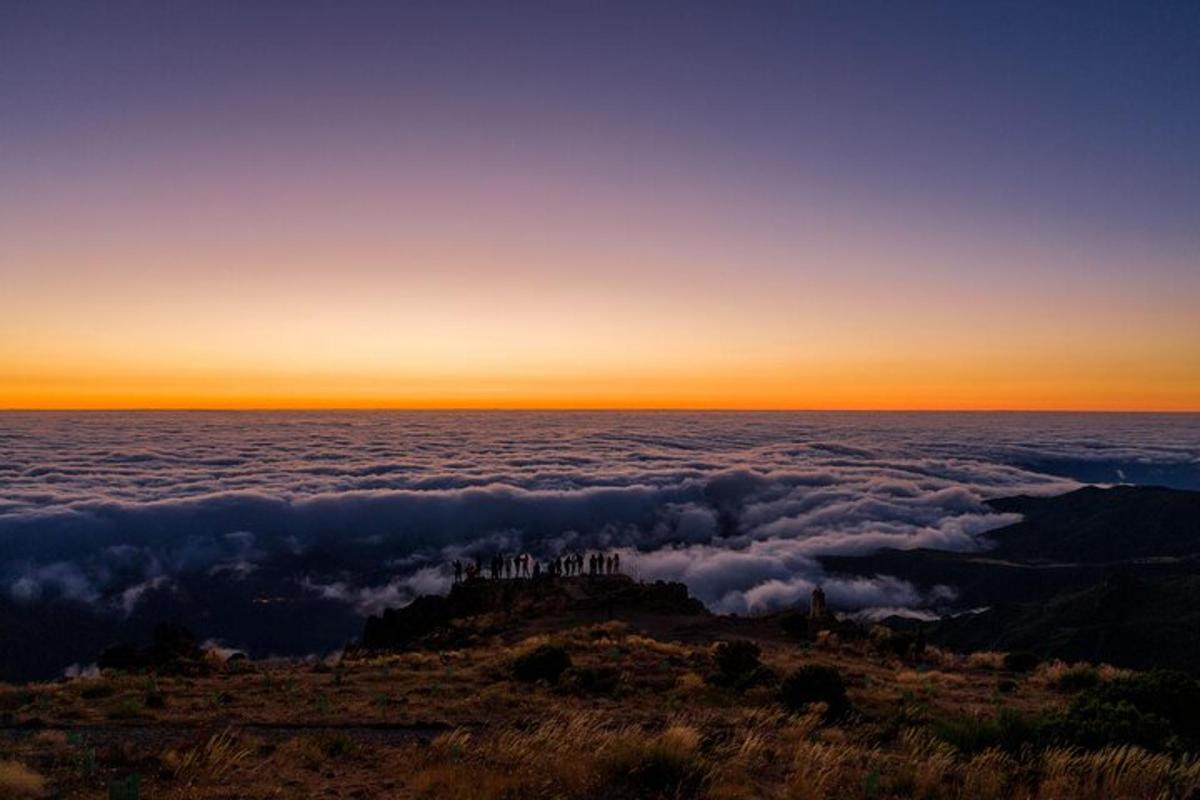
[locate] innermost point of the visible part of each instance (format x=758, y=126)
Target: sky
x=600, y=205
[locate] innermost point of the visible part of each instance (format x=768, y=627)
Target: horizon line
x=582, y=410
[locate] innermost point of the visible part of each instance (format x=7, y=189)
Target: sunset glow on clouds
x=712, y=206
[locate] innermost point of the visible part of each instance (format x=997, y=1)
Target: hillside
x=1098, y=574
x=501, y=694
x=1093, y=525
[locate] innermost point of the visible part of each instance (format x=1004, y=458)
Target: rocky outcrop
x=172, y=650
x=609, y=597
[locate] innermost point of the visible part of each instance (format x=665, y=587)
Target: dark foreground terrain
x=600, y=687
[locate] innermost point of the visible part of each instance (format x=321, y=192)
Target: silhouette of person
x=507, y=567
x=457, y=571
x=537, y=570
x=608, y=565
x=616, y=563
x=525, y=565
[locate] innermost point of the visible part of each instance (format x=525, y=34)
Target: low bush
x=735, y=659
x=154, y=699
x=123, y=708
x=1021, y=661
x=763, y=676
x=1009, y=731
x=546, y=662
x=738, y=666
x=1093, y=723
x=595, y=680
x=796, y=625
x=127, y=788
x=97, y=689
x=334, y=744
x=1158, y=710
x=1076, y=678
x=905, y=645
x=815, y=684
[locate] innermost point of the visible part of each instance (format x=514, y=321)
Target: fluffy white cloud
x=395, y=593
x=365, y=506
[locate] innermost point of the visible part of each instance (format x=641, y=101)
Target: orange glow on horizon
x=835, y=387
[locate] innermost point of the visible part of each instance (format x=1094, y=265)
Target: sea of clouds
x=368, y=508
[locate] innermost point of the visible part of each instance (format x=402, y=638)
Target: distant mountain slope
x=1093, y=525
x=1125, y=620
x=1173, y=474
x=1095, y=574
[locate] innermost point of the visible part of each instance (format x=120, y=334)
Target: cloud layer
x=366, y=508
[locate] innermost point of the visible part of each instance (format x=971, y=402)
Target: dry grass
x=18, y=780
x=210, y=762
x=986, y=659
x=478, y=735
x=1061, y=676
x=1115, y=772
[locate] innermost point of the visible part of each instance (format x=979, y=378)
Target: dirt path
x=162, y=735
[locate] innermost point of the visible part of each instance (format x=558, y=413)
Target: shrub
x=796, y=624
x=738, y=666
x=1021, y=661
x=1008, y=731
x=815, y=684
x=1157, y=710
x=735, y=659
x=1093, y=723
x=333, y=744
x=546, y=662
x=1076, y=678
x=1174, y=696
x=900, y=644
x=595, y=680
x=123, y=708
x=96, y=689
x=763, y=676
x=128, y=788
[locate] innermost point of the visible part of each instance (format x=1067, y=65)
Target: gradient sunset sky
x=593, y=204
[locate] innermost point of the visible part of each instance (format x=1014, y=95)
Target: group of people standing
x=510, y=566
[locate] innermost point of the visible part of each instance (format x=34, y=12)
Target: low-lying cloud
x=366, y=509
